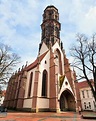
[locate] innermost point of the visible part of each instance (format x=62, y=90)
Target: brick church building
x=48, y=84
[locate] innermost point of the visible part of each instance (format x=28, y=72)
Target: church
x=47, y=84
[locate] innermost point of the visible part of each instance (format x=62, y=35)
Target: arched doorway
x=67, y=101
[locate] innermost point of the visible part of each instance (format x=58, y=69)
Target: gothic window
x=52, y=40
x=44, y=16
x=85, y=105
x=43, y=33
x=47, y=41
x=56, y=17
x=87, y=93
x=45, y=62
x=30, y=84
x=83, y=94
x=89, y=105
x=50, y=14
x=94, y=104
x=52, y=30
x=57, y=31
x=47, y=30
x=44, y=83
x=58, y=61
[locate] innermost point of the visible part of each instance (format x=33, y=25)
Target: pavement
x=47, y=116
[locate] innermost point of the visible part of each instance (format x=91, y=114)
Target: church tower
x=50, y=26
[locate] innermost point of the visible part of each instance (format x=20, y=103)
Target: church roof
x=84, y=84
x=35, y=63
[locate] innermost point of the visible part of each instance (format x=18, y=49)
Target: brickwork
x=53, y=102
x=34, y=100
x=15, y=91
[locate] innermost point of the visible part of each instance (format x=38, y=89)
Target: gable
x=56, y=47
x=65, y=85
x=34, y=64
x=43, y=49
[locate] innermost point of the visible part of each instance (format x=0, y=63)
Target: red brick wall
x=35, y=89
x=52, y=101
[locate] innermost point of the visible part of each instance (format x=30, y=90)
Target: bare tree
x=84, y=54
x=8, y=61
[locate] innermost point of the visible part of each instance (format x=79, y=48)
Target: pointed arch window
x=58, y=60
x=30, y=84
x=44, y=83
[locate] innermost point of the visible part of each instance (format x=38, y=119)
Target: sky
x=20, y=22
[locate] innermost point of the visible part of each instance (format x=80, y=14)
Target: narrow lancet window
x=44, y=83
x=30, y=84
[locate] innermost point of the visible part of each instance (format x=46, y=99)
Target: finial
x=15, y=71
x=22, y=66
x=18, y=69
x=26, y=63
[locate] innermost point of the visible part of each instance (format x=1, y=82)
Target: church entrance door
x=67, y=101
